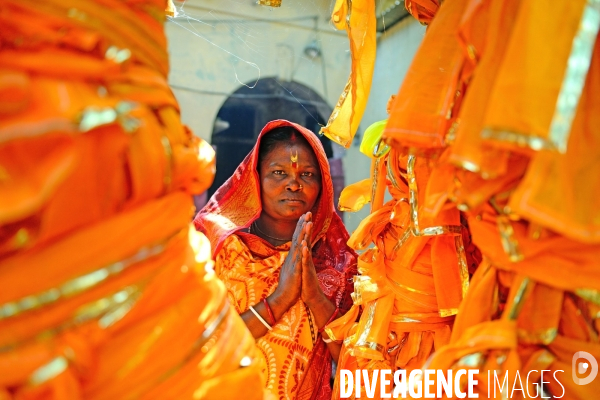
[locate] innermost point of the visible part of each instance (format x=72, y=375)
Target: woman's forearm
x=334, y=348
x=278, y=307
x=323, y=309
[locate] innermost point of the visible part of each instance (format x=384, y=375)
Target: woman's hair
x=277, y=136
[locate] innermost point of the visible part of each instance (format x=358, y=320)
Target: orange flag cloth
x=358, y=19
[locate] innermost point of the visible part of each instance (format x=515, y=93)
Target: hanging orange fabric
x=357, y=17
x=421, y=118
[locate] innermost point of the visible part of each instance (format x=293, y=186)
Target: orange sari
x=106, y=292
x=295, y=364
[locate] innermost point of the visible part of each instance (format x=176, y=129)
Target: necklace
x=257, y=229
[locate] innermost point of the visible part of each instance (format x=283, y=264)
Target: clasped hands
x=298, y=277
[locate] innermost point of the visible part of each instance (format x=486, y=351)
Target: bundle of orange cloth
x=498, y=109
x=106, y=292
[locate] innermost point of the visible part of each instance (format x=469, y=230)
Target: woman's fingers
x=308, y=230
x=299, y=228
x=303, y=232
x=305, y=254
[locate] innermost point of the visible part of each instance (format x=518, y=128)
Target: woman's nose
x=293, y=185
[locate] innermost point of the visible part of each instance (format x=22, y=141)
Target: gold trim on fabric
x=371, y=345
x=115, y=314
x=390, y=172
x=451, y=134
x=468, y=165
x=519, y=139
x=414, y=206
x=509, y=243
x=203, y=343
x=519, y=299
x=214, y=324
x=545, y=337
x=441, y=230
x=48, y=371
x=336, y=111
x=506, y=210
x=167, y=179
x=463, y=268
x=412, y=192
x=110, y=308
x=471, y=360
x=270, y=3
x=590, y=295
x=418, y=315
x=93, y=117
x=117, y=55
x=332, y=336
x=362, y=284
x=349, y=342
x=377, y=152
x=370, y=314
x=576, y=73
x=448, y=312
x=375, y=182
x=401, y=319
x=411, y=289
x=79, y=284
x=405, y=236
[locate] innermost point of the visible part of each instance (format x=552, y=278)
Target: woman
x=281, y=250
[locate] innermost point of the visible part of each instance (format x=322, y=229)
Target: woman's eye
x=278, y=172
x=309, y=174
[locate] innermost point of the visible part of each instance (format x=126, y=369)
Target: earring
x=300, y=187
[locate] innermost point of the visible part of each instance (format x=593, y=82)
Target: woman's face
x=290, y=181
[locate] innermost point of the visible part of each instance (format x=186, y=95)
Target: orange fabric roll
x=108, y=293
x=411, y=283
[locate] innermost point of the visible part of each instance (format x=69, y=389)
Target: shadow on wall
x=247, y=111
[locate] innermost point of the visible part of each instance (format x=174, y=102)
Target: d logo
x=581, y=367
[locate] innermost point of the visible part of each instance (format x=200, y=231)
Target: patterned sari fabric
x=295, y=364
x=106, y=292
x=511, y=130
